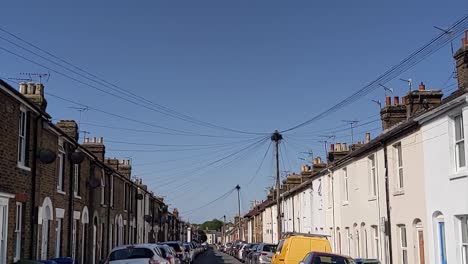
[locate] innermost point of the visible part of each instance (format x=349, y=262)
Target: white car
x=136, y=254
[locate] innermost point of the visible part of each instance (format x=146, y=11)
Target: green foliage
x=202, y=236
x=214, y=224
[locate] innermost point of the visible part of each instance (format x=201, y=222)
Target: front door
x=94, y=244
x=421, y=247
x=45, y=238
x=442, y=250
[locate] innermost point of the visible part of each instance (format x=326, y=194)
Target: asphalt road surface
x=212, y=256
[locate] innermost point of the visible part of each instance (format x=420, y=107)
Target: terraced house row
x=401, y=197
x=62, y=198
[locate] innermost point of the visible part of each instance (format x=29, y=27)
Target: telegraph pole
x=238, y=207
x=277, y=137
x=224, y=229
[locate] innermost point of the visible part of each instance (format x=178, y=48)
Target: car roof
x=329, y=254
x=148, y=246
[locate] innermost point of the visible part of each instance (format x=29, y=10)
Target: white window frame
x=398, y=159
x=61, y=170
x=464, y=239
x=375, y=242
x=22, y=138
x=58, y=236
x=18, y=231
x=111, y=190
x=403, y=244
x=125, y=197
x=4, y=198
x=103, y=189
x=345, y=197
x=372, y=176
x=76, y=180
x=348, y=240
x=458, y=142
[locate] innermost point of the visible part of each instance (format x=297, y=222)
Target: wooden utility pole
x=277, y=137
x=238, y=207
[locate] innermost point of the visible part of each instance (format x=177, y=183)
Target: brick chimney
x=175, y=212
x=337, y=152
x=122, y=166
x=461, y=58
x=318, y=165
x=293, y=180
x=422, y=100
x=35, y=93
x=392, y=114
x=306, y=171
x=69, y=127
x=96, y=147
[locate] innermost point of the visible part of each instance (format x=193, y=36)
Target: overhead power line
x=140, y=101
x=224, y=196
x=429, y=48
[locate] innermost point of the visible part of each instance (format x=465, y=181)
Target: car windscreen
x=163, y=252
x=269, y=248
x=332, y=260
x=187, y=247
x=175, y=246
x=131, y=253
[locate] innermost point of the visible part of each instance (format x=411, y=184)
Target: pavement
x=213, y=256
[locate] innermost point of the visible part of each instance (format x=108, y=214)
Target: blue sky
x=249, y=65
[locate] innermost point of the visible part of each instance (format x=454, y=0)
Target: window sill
x=61, y=192
x=458, y=175
x=371, y=199
x=77, y=197
x=345, y=203
x=399, y=192
x=21, y=166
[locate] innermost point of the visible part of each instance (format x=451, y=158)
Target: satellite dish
x=139, y=196
x=47, y=156
x=94, y=183
x=77, y=157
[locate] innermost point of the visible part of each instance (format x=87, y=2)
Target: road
x=212, y=256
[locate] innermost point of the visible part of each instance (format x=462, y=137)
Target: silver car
x=264, y=253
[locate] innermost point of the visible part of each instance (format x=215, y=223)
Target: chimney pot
x=343, y=147
x=23, y=88
x=367, y=137
x=396, y=100
x=388, y=101
x=422, y=87
x=332, y=147
x=39, y=89
x=86, y=140
x=100, y=140
x=403, y=100
x=31, y=88
x=319, y=160
x=94, y=140
x=338, y=146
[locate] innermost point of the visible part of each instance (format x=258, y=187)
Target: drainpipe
x=33, y=187
x=333, y=205
x=292, y=206
x=70, y=201
x=107, y=173
x=387, y=197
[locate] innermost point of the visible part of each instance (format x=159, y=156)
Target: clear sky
x=248, y=65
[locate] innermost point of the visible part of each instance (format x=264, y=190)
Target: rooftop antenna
x=449, y=33
x=378, y=102
x=386, y=89
x=81, y=110
x=85, y=133
x=410, y=83
x=40, y=76
x=325, y=142
x=351, y=123
x=20, y=79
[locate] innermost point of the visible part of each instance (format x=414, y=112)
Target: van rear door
x=297, y=249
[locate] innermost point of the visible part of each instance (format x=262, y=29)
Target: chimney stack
x=461, y=58
x=392, y=114
x=70, y=128
x=368, y=138
x=338, y=153
x=35, y=93
x=422, y=100
x=121, y=166
x=97, y=148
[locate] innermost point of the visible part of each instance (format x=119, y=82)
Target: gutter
x=387, y=198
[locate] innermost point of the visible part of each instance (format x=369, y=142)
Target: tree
x=214, y=224
x=202, y=236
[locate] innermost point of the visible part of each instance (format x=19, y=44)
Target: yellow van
x=294, y=246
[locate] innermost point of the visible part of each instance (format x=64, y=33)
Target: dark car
x=247, y=250
x=248, y=258
x=326, y=258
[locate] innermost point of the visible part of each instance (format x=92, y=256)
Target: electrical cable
x=435, y=44
x=225, y=195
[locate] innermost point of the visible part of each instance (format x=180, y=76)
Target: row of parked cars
x=172, y=252
x=292, y=248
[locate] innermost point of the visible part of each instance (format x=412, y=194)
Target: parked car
x=326, y=258
x=293, y=247
x=367, y=261
x=141, y=253
x=190, y=251
x=240, y=252
x=264, y=253
x=179, y=249
x=248, y=257
x=169, y=254
x=247, y=250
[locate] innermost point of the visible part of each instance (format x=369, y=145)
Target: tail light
x=264, y=254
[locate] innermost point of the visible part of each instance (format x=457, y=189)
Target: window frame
x=111, y=179
x=345, y=198
x=61, y=167
x=464, y=238
x=457, y=142
x=375, y=241
x=398, y=159
x=372, y=176
x=403, y=244
x=103, y=189
x=18, y=231
x=77, y=180
x=23, y=140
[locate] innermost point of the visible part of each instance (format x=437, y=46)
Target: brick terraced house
x=62, y=198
